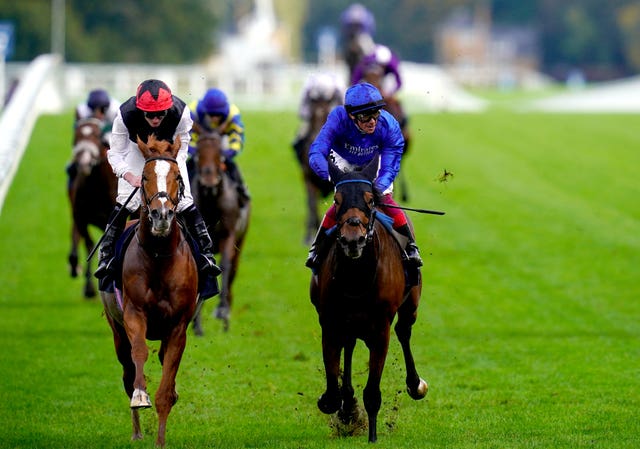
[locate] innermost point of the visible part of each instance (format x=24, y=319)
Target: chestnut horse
x=217, y=198
x=316, y=188
x=92, y=194
x=159, y=287
x=358, y=290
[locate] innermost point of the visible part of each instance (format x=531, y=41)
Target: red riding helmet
x=153, y=95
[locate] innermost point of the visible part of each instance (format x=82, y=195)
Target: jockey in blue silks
x=214, y=112
x=352, y=136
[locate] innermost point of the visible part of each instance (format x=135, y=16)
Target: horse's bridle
x=174, y=201
x=370, y=213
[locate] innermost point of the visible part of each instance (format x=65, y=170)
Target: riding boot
x=413, y=253
x=313, y=259
x=198, y=230
x=117, y=220
x=236, y=176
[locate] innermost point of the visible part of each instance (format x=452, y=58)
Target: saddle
x=207, y=283
x=411, y=273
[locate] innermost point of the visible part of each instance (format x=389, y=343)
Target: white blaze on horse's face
x=162, y=217
x=162, y=170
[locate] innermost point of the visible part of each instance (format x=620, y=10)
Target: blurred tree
x=601, y=37
x=144, y=31
x=628, y=18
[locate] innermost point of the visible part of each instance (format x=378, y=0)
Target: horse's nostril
x=361, y=240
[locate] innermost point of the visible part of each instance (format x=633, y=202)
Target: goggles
x=365, y=118
x=155, y=114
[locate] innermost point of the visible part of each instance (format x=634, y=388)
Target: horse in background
x=159, y=287
x=216, y=196
x=358, y=290
x=92, y=194
x=316, y=188
x=374, y=74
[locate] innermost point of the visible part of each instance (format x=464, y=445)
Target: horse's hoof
x=140, y=399
x=420, y=391
x=222, y=313
x=329, y=405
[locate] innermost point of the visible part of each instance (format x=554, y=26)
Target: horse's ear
x=334, y=172
x=370, y=171
x=144, y=149
x=176, y=146
x=197, y=128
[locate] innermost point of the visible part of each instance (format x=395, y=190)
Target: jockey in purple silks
x=358, y=27
x=352, y=136
x=153, y=110
x=387, y=62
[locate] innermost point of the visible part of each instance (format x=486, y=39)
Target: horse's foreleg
x=227, y=250
x=407, y=314
x=136, y=328
x=89, y=287
x=313, y=218
x=330, y=401
x=74, y=269
x=348, y=412
x=372, y=396
x=166, y=396
x=123, y=352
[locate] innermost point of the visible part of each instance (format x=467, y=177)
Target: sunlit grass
x=527, y=332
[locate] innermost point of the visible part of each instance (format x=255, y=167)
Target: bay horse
x=316, y=188
x=216, y=196
x=358, y=290
x=92, y=194
x=159, y=287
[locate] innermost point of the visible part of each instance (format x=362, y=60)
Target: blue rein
x=353, y=180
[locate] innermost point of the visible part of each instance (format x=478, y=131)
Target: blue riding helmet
x=98, y=98
x=363, y=97
x=214, y=102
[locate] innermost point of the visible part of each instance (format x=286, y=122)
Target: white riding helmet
x=322, y=86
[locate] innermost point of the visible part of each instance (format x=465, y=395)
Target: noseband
x=175, y=200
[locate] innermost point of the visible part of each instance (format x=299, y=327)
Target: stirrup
x=104, y=269
x=413, y=255
x=312, y=261
x=207, y=265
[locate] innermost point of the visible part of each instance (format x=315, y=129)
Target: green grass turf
x=528, y=329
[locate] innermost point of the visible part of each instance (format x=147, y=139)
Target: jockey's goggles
x=155, y=114
x=365, y=118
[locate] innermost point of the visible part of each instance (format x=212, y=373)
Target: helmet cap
x=363, y=97
x=214, y=102
x=153, y=95
x=98, y=98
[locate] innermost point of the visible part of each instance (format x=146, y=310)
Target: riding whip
x=124, y=207
x=422, y=211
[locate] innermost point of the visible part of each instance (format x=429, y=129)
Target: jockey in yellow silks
x=213, y=112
